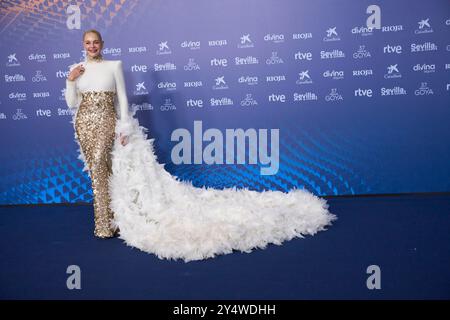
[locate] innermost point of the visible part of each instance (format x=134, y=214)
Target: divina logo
x=363, y=31
x=112, y=51
x=193, y=45
x=220, y=148
x=19, y=96
x=37, y=57
x=248, y=80
x=169, y=86
x=275, y=38
x=333, y=74
x=425, y=68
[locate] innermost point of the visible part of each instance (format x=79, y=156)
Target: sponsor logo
x=275, y=38
x=217, y=43
x=333, y=74
x=193, y=45
x=245, y=42
x=62, y=96
x=363, y=93
x=303, y=56
x=39, y=77
x=307, y=96
x=277, y=98
x=139, y=68
x=304, y=78
x=163, y=48
x=19, y=115
x=43, y=113
x=274, y=59
x=333, y=96
x=332, y=35
x=393, y=72
x=424, y=27
x=361, y=53
x=66, y=112
x=249, y=101
x=193, y=84
x=447, y=22
x=168, y=105
x=19, y=96
x=302, y=36
x=393, y=49
x=425, y=68
x=362, y=73
x=363, y=31
x=38, y=57
x=112, y=51
x=423, y=90
x=2, y=116
x=169, y=86
x=196, y=103
x=41, y=94
x=191, y=65
x=142, y=106
x=247, y=60
x=15, y=78
x=219, y=62
x=137, y=49
x=424, y=47
x=275, y=78
x=140, y=89
x=332, y=54
x=248, y=80
x=168, y=66
x=395, y=91
x=12, y=61
x=396, y=28
x=447, y=66
x=62, y=74
x=220, y=83
x=221, y=102
x=64, y=55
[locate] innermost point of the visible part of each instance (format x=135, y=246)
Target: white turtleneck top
x=105, y=75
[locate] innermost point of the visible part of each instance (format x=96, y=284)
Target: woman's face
x=92, y=44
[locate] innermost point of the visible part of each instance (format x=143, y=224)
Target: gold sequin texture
x=95, y=129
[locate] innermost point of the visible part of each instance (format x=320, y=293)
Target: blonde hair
x=95, y=32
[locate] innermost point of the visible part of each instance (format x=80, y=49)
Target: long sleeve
x=72, y=94
x=124, y=124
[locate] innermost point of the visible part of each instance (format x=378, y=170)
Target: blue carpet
x=406, y=236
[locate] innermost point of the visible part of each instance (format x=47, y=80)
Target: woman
x=154, y=211
x=91, y=87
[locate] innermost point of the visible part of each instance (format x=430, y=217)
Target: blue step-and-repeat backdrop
x=340, y=97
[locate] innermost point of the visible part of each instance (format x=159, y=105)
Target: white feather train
x=172, y=219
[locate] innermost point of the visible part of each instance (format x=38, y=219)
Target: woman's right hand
x=76, y=72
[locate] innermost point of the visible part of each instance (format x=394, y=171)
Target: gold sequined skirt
x=95, y=129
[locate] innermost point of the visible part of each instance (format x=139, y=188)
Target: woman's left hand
x=123, y=139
